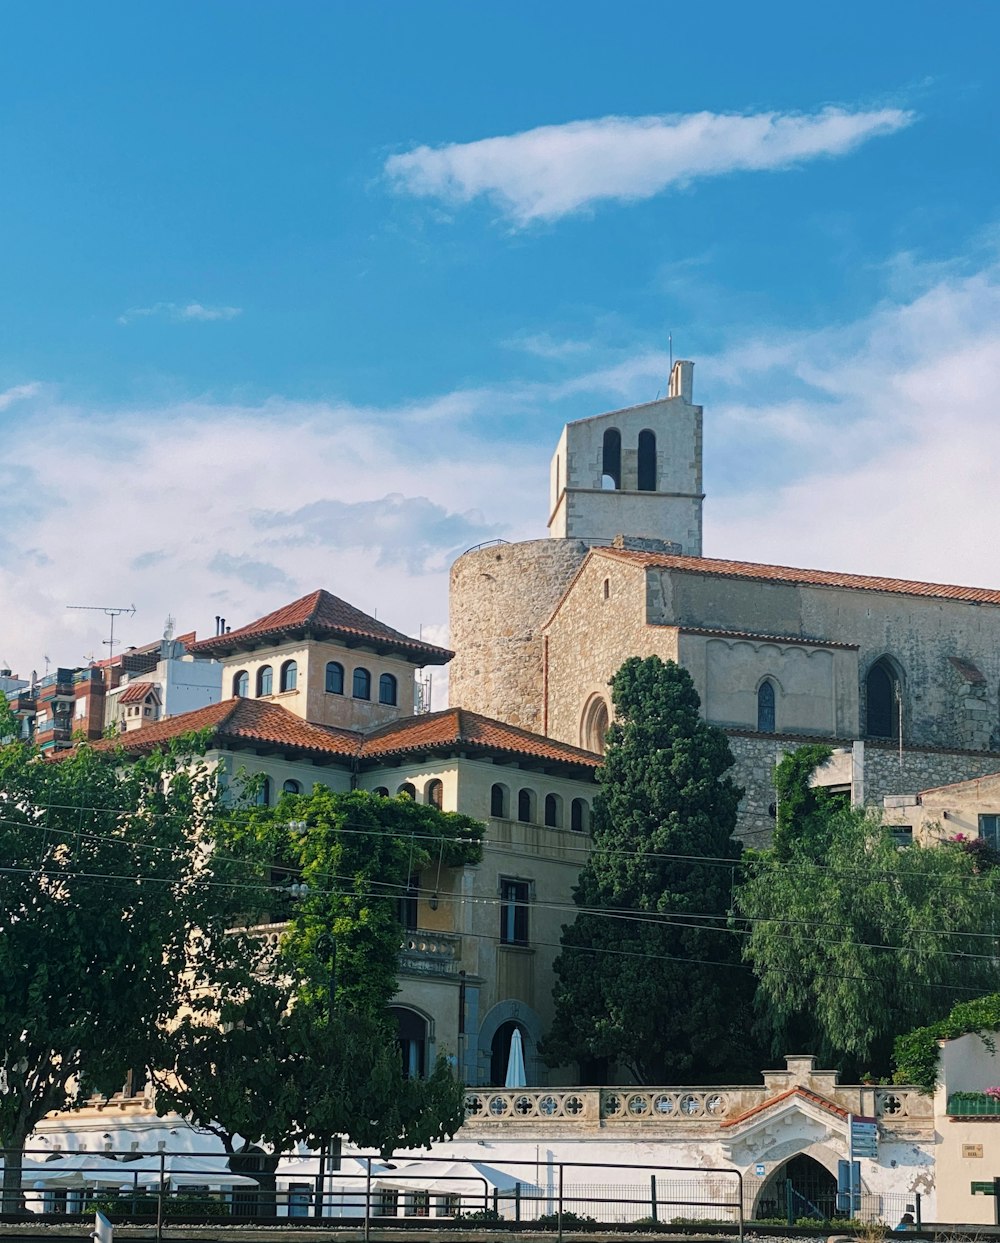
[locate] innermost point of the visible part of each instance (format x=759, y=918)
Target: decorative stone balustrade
x=899, y=1110
x=430, y=953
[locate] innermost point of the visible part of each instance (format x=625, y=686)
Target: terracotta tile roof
x=814, y=1098
x=813, y=578
x=136, y=692
x=320, y=615
x=457, y=727
x=259, y=723
x=247, y=721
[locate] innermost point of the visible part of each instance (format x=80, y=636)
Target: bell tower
x=633, y=472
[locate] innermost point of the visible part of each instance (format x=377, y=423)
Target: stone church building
x=901, y=678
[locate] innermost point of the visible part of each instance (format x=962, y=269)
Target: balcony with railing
x=420, y=953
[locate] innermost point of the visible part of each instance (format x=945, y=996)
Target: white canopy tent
x=453, y=1186
x=343, y=1188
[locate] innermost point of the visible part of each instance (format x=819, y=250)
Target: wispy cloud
x=548, y=172
x=181, y=312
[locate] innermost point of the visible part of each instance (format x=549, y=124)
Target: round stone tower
x=500, y=597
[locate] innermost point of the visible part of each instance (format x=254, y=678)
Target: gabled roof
x=804, y=1094
x=457, y=728
x=259, y=724
x=321, y=615
x=788, y=574
x=136, y=692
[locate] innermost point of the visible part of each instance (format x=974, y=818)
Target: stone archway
x=594, y=722
x=530, y=1024
x=813, y=1190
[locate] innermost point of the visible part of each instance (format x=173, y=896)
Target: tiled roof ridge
x=324, y=611
x=759, y=636
x=766, y=572
x=798, y=1090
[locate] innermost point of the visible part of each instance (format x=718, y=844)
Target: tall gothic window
x=765, y=708
x=647, y=461
x=611, y=459
x=882, y=700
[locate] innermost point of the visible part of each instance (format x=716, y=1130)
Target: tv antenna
x=109, y=611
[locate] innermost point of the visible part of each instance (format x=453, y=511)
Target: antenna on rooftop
x=109, y=611
x=168, y=626
x=670, y=348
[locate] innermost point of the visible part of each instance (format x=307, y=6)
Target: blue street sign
x=758, y=1169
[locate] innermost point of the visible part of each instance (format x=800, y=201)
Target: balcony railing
x=430, y=953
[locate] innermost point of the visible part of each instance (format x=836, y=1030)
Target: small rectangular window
x=902, y=834
x=514, y=898
x=989, y=828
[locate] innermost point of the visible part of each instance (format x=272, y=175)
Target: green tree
x=311, y=1052
x=854, y=940
x=117, y=883
x=648, y=976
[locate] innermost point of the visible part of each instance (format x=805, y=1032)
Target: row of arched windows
x=611, y=460
x=433, y=792
x=553, y=809
x=361, y=683
x=883, y=697
x=288, y=680
x=265, y=788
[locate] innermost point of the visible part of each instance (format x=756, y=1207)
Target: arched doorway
x=883, y=696
x=500, y=1050
x=412, y=1041
x=801, y=1185
x=257, y=1201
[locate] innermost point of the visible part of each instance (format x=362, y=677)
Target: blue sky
x=265, y=266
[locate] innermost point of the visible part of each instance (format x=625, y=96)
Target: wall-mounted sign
x=758, y=1169
x=972, y=1150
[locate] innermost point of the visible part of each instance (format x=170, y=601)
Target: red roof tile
x=249, y=721
x=319, y=615
x=813, y=1097
x=136, y=692
x=813, y=578
x=457, y=727
x=259, y=723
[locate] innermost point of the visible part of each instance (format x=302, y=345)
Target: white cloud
x=553, y=170
x=181, y=312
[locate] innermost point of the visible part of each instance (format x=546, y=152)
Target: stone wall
x=757, y=754
x=500, y=598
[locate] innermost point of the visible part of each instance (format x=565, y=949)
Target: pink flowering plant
x=994, y=1092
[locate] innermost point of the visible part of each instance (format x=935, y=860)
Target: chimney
x=682, y=381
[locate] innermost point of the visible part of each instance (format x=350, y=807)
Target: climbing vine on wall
x=916, y=1054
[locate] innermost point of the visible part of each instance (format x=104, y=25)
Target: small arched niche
x=594, y=724
x=611, y=460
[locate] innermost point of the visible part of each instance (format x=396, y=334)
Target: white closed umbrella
x=468, y=1178
x=515, y=1077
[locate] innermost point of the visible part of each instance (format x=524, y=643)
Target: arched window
x=765, y=707
x=500, y=801
x=412, y=1041
x=291, y=787
x=611, y=460
x=553, y=811
x=263, y=796
x=500, y=1052
x=882, y=695
x=335, y=678
x=408, y=789
x=241, y=684
x=526, y=806
x=381, y=791
x=579, y=815
x=265, y=680
x=434, y=794
x=289, y=675
x=647, y=461
x=362, y=684
x=387, y=689
x=594, y=725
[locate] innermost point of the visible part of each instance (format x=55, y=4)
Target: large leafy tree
x=311, y=1052
x=117, y=883
x=649, y=976
x=854, y=940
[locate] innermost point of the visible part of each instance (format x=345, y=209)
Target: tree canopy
x=854, y=939
x=648, y=976
x=310, y=1051
x=117, y=884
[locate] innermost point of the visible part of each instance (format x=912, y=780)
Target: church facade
x=901, y=678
